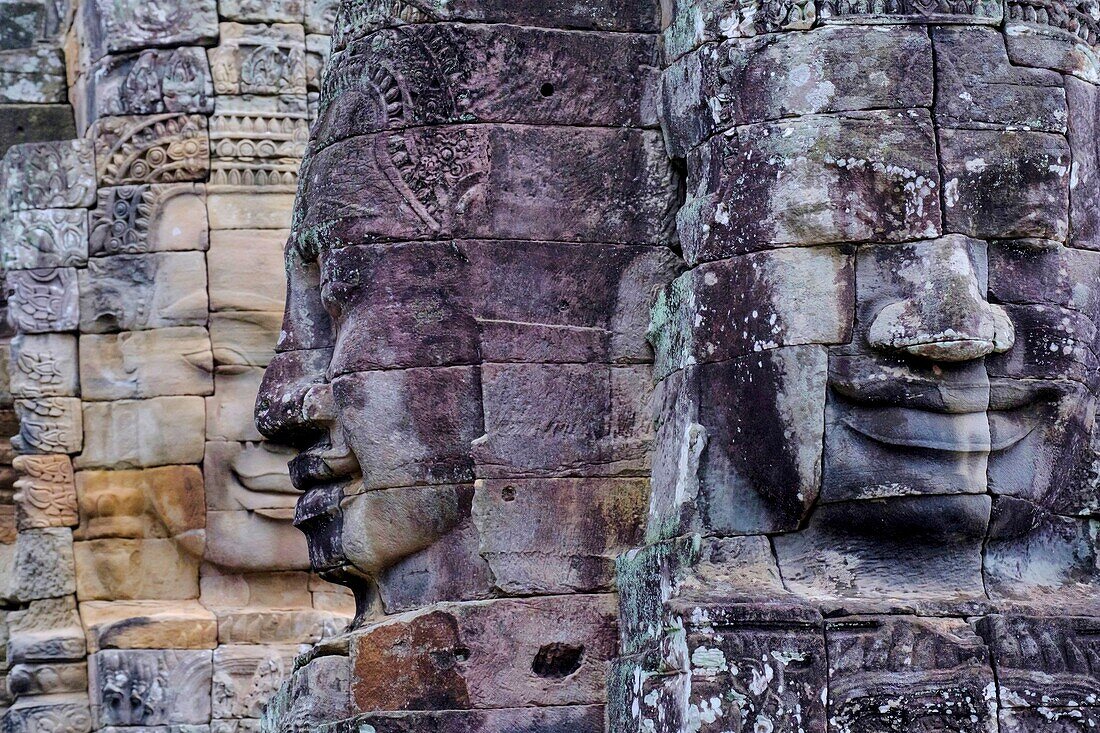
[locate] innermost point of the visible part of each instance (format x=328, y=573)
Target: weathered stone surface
x=255, y=591
x=246, y=677
x=932, y=673
x=1000, y=185
x=250, y=476
x=137, y=292
x=251, y=210
x=125, y=569
x=852, y=177
x=147, y=624
x=45, y=630
x=44, y=238
x=750, y=304
x=152, y=81
x=229, y=411
x=259, y=59
x=1032, y=42
x=557, y=535
x=549, y=419
x=109, y=27
x=257, y=148
x=35, y=75
x=558, y=719
x=1084, y=119
x=316, y=692
x=66, y=713
x=612, y=15
x=49, y=175
x=163, y=148
x=447, y=658
x=30, y=123
x=468, y=73
x=244, y=338
x=766, y=78
x=43, y=565
x=49, y=425
x=43, y=301
x=422, y=422
x=290, y=380
x=278, y=626
x=141, y=364
x=150, y=687
x=146, y=504
x=45, y=493
x=285, y=11
x=557, y=184
x=148, y=218
x=132, y=434
x=44, y=365
x=260, y=253
x=247, y=541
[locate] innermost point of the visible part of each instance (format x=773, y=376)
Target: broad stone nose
x=946, y=316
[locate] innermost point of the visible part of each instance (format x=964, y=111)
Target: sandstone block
x=316, y=692
x=49, y=425
x=229, y=412
x=246, y=677
x=978, y=85
x=557, y=535
x=147, y=624
x=148, y=218
x=46, y=630
x=1002, y=185
x=146, y=687
x=135, y=433
x=43, y=301
x=257, y=148
x=779, y=184
x=43, y=565
x=45, y=492
x=163, y=148
x=572, y=718
x=258, y=11
x=244, y=339
x=576, y=184
x=66, y=713
x=138, y=292
x=259, y=59
x=126, y=570
x=47, y=679
x=28, y=123
x=278, y=626
x=151, y=81
x=508, y=74
x=109, y=27
x=255, y=591
x=766, y=78
x=34, y=75
x=142, y=364
x=152, y=503
x=259, y=254
x=1039, y=45
x=753, y=303
x=252, y=210
x=1084, y=219
x=44, y=238
x=448, y=658
x=421, y=423
x=246, y=541
x=43, y=365
x=546, y=419
x=250, y=476
x=49, y=175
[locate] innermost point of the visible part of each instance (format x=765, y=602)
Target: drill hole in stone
x=462, y=654
x=508, y=493
x=547, y=90
x=557, y=661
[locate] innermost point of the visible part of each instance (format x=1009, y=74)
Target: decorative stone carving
x=139, y=292
x=150, y=687
x=246, y=677
x=259, y=59
x=45, y=238
x=142, y=364
x=46, y=630
x=43, y=565
x=257, y=148
x=54, y=175
x=148, y=218
x=151, y=149
x=151, y=503
x=49, y=425
x=44, y=365
x=45, y=492
x=110, y=27
x=43, y=301
x=127, y=569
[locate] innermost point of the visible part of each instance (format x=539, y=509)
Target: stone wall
x=155, y=578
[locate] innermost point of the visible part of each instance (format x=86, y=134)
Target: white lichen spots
x=976, y=165
x=366, y=728
x=707, y=662
x=763, y=724
x=722, y=215
x=966, y=97
x=951, y=193
x=1058, y=169
x=761, y=679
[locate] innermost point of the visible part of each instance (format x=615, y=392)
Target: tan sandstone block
x=258, y=541
x=249, y=210
x=278, y=626
x=245, y=338
x=148, y=625
x=246, y=271
x=141, y=364
x=142, y=433
x=124, y=569
x=247, y=676
x=230, y=411
x=150, y=503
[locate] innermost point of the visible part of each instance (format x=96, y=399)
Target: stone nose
x=947, y=319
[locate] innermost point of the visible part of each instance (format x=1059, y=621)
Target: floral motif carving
x=53, y=175
x=44, y=238
x=45, y=492
x=49, y=425
x=42, y=301
x=153, y=149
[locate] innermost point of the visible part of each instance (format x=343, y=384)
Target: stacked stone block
x=155, y=579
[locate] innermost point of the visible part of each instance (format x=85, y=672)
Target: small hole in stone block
x=557, y=661
x=508, y=493
x=547, y=90
x=462, y=654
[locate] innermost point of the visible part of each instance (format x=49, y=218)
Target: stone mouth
x=908, y=428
